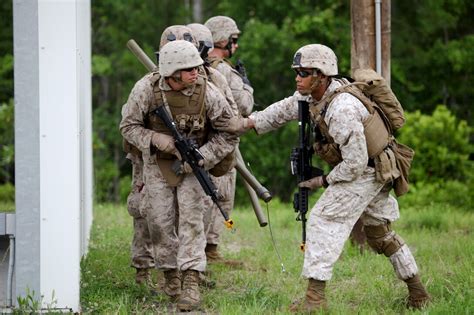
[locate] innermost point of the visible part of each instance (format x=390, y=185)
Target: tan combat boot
x=213, y=256
x=172, y=286
x=314, y=301
x=417, y=295
x=143, y=276
x=190, y=298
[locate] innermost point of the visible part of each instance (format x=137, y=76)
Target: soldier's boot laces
x=172, y=286
x=314, y=301
x=418, y=298
x=190, y=299
x=213, y=256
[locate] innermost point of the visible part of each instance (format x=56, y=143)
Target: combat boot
x=190, y=298
x=172, y=286
x=418, y=298
x=143, y=276
x=314, y=301
x=213, y=256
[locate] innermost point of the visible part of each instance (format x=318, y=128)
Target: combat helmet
x=201, y=33
x=316, y=56
x=222, y=28
x=177, y=32
x=178, y=55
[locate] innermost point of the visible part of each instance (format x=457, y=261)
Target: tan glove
x=164, y=143
x=187, y=169
x=315, y=182
x=237, y=125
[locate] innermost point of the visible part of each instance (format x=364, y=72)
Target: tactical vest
x=188, y=112
x=376, y=131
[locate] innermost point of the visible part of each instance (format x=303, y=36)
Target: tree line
x=432, y=64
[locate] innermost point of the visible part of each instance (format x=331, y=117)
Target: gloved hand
x=164, y=143
x=237, y=125
x=187, y=169
x=315, y=182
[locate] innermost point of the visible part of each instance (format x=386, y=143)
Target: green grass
x=440, y=237
x=7, y=206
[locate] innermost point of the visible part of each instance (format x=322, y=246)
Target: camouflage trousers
x=332, y=218
x=175, y=220
x=213, y=219
x=141, y=249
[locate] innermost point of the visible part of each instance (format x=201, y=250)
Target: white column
x=57, y=106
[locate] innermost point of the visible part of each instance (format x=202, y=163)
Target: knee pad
x=382, y=239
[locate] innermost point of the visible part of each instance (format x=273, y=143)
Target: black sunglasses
x=190, y=69
x=303, y=73
x=234, y=40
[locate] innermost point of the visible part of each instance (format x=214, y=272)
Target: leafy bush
x=442, y=146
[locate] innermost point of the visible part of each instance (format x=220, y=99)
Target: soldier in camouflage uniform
x=352, y=191
x=225, y=34
x=196, y=106
x=225, y=183
x=141, y=249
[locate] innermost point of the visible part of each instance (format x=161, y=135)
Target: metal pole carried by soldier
x=225, y=34
x=347, y=137
x=195, y=106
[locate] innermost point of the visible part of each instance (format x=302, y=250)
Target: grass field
x=440, y=237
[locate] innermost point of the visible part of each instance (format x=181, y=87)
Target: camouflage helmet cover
x=177, y=32
x=178, y=55
x=316, y=56
x=201, y=32
x=222, y=27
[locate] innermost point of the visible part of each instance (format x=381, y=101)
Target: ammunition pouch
x=224, y=166
x=404, y=156
x=165, y=162
x=386, y=170
x=382, y=239
x=329, y=152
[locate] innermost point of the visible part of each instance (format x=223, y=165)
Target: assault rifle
x=190, y=153
x=239, y=66
x=301, y=166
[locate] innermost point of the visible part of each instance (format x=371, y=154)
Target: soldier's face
x=189, y=76
x=234, y=44
x=303, y=80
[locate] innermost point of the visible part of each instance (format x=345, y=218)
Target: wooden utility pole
x=363, y=50
x=363, y=55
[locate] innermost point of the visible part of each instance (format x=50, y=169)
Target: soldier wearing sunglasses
x=351, y=187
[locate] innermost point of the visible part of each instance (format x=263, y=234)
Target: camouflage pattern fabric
x=353, y=191
x=161, y=204
x=242, y=93
x=141, y=249
x=213, y=219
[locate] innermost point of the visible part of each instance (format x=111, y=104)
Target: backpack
x=374, y=86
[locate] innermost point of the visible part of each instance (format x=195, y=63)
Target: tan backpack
x=374, y=86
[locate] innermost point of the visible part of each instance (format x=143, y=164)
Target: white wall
x=61, y=146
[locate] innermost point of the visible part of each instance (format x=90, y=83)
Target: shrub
x=441, y=143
